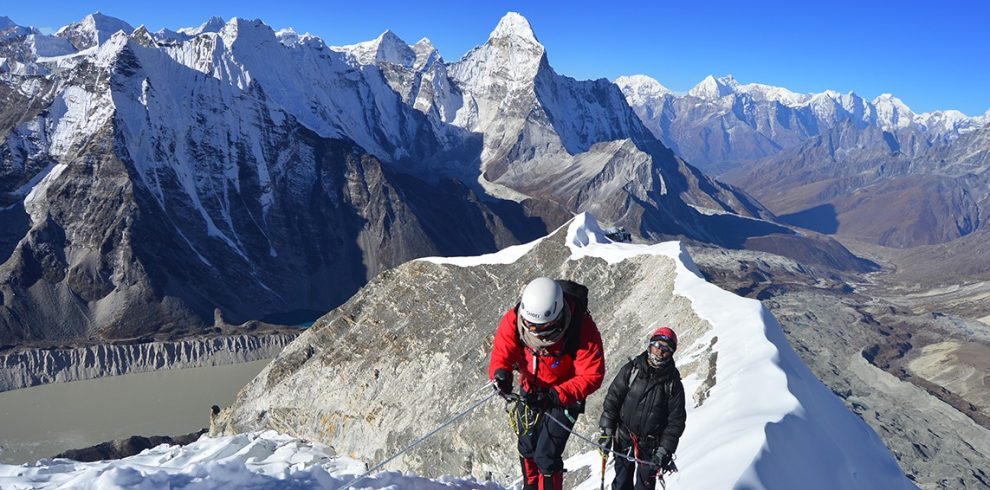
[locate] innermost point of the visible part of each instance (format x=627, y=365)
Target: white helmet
x=542, y=301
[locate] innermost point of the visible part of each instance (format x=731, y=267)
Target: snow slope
x=767, y=422
x=255, y=460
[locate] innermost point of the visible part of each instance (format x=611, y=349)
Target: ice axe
x=604, y=459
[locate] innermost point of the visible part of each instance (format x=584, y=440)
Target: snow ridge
x=786, y=429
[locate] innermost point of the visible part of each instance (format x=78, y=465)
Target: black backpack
x=577, y=294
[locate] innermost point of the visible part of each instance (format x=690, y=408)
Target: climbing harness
x=424, y=437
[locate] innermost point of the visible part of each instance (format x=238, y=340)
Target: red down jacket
x=573, y=377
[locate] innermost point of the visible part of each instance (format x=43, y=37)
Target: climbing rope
x=423, y=438
x=627, y=457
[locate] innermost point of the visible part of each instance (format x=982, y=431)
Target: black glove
x=662, y=458
x=503, y=381
x=605, y=440
x=543, y=399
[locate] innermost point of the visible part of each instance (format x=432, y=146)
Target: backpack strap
x=632, y=372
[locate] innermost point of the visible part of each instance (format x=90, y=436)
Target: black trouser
x=545, y=440
x=645, y=475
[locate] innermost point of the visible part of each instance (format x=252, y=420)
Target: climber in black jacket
x=644, y=413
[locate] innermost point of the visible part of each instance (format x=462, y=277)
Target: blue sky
x=932, y=55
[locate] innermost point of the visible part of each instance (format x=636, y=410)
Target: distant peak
x=514, y=25
x=641, y=85
x=424, y=43
x=387, y=47
x=213, y=24
x=6, y=23
x=389, y=38
x=106, y=23
x=714, y=88
x=889, y=100
x=93, y=30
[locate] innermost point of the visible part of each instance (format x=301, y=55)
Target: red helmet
x=665, y=334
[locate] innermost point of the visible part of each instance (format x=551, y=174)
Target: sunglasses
x=662, y=343
x=540, y=329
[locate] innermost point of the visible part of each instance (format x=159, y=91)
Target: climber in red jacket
x=552, y=341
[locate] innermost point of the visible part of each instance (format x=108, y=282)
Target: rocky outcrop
x=122, y=448
x=30, y=367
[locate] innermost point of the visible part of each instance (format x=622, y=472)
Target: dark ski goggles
x=540, y=329
x=662, y=343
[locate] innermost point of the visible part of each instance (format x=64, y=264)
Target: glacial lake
x=42, y=421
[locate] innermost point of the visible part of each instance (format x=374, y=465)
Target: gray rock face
x=30, y=367
x=411, y=349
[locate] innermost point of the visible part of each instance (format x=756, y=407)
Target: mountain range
x=153, y=180
x=154, y=185
x=720, y=123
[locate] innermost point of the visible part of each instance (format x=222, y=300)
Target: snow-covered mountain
x=830, y=162
x=145, y=185
x=94, y=30
x=757, y=417
x=721, y=123
x=573, y=145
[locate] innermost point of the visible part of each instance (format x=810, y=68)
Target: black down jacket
x=652, y=408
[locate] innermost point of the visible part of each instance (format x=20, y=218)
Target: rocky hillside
x=411, y=348
x=877, y=192
x=891, y=351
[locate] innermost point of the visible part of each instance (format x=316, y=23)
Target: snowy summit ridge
x=514, y=25
x=757, y=416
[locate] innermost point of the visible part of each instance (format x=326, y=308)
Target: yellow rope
x=529, y=418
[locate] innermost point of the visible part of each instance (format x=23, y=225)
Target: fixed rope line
x=421, y=439
x=617, y=454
